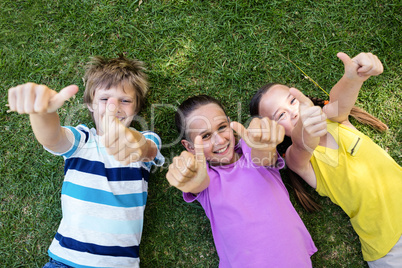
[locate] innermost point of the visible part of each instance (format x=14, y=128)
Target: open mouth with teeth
x=220, y=151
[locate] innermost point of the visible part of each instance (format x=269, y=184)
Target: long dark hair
x=189, y=106
x=296, y=181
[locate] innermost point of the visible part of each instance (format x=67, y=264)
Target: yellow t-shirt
x=366, y=183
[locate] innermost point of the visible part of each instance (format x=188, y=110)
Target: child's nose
x=294, y=113
x=219, y=139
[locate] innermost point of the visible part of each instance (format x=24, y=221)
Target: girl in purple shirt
x=238, y=184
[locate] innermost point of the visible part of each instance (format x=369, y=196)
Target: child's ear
x=90, y=108
x=189, y=147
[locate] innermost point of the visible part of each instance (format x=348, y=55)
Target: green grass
x=227, y=49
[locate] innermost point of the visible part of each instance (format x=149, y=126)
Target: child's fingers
x=174, y=177
x=315, y=123
x=355, y=66
x=29, y=101
x=65, y=94
x=11, y=99
x=20, y=95
x=311, y=111
x=185, y=164
x=280, y=133
x=317, y=130
x=180, y=171
x=34, y=98
x=14, y=100
x=259, y=131
x=364, y=62
x=303, y=100
x=42, y=97
x=122, y=145
x=115, y=144
x=274, y=131
x=369, y=64
x=267, y=130
x=21, y=98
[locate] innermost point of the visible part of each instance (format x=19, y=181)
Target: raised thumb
x=58, y=100
x=110, y=113
x=239, y=128
x=199, y=149
x=303, y=100
x=344, y=58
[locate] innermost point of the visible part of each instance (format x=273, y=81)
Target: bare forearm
x=49, y=133
x=343, y=97
x=298, y=160
x=298, y=157
x=266, y=157
x=344, y=94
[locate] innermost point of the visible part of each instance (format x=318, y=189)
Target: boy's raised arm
x=344, y=94
x=41, y=103
x=262, y=136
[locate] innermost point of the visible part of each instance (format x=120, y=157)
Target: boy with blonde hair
x=106, y=169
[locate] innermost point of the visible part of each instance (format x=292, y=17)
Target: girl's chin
x=222, y=160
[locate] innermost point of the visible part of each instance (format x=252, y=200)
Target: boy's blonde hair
x=105, y=73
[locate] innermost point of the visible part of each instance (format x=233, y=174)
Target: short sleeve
x=159, y=160
x=280, y=162
x=189, y=197
x=80, y=136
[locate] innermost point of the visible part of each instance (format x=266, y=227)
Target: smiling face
x=279, y=105
x=126, y=107
x=211, y=123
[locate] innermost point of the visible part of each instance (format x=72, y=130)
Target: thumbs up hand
x=261, y=134
x=32, y=98
x=126, y=145
x=188, y=171
x=362, y=66
x=311, y=124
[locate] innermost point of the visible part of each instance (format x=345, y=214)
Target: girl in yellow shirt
x=339, y=161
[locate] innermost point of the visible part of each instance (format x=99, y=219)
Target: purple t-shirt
x=253, y=222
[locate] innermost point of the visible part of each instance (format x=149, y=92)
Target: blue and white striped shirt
x=103, y=205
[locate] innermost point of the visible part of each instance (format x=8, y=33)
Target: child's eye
x=126, y=101
x=293, y=101
x=223, y=127
x=281, y=116
x=104, y=99
x=206, y=136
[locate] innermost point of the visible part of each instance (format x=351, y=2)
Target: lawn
x=227, y=49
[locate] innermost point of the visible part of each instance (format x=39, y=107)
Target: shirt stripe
x=116, y=251
x=103, y=204
x=103, y=197
x=112, y=174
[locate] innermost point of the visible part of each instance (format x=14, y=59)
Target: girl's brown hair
x=189, y=106
x=297, y=182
